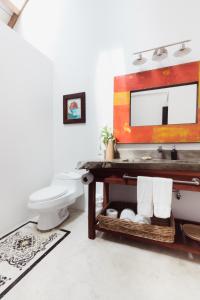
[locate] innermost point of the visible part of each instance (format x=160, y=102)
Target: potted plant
x=108, y=140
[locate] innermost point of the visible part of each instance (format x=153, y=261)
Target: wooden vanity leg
x=92, y=210
x=105, y=194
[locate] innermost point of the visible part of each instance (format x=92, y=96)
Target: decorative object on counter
x=87, y=178
x=174, y=155
x=112, y=213
x=108, y=140
x=110, y=150
x=127, y=214
x=192, y=231
x=74, y=108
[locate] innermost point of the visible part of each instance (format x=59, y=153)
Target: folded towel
x=162, y=197
x=145, y=196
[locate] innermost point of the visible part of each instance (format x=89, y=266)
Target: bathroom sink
x=178, y=161
x=140, y=164
x=187, y=161
x=159, y=160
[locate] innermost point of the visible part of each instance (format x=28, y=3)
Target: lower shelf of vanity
x=182, y=242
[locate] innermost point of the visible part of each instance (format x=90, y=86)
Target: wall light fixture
x=160, y=53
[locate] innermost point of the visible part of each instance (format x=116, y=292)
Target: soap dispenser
x=174, y=153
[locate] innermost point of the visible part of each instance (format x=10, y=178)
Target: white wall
x=67, y=36
x=26, y=119
x=92, y=41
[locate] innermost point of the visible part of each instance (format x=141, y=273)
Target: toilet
x=51, y=202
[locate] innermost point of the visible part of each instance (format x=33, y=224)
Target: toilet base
x=51, y=219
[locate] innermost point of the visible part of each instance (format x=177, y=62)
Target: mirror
x=162, y=106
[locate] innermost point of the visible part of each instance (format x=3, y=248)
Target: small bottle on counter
x=174, y=155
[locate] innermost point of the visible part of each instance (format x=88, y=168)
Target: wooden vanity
x=185, y=175
x=137, y=122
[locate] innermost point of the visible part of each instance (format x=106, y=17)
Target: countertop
x=140, y=164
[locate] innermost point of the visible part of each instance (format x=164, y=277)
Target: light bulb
x=182, y=51
x=140, y=60
x=160, y=54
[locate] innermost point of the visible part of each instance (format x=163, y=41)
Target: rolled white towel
x=142, y=220
x=127, y=214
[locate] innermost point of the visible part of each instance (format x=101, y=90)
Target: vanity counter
x=185, y=175
x=139, y=164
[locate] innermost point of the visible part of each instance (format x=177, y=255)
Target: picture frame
x=74, y=110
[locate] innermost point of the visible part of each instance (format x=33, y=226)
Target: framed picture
x=74, y=108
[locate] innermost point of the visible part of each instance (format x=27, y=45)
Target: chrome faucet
x=160, y=149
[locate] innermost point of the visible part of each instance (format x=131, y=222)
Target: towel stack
x=129, y=215
x=154, y=196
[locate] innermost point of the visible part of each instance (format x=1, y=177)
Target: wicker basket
x=162, y=230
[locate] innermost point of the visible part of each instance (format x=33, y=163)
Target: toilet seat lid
x=48, y=193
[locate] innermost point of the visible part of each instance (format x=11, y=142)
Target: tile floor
x=108, y=269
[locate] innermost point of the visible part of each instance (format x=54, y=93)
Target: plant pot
x=110, y=150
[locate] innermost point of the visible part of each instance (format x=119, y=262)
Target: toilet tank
x=71, y=180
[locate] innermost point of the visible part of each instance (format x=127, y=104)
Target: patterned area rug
x=22, y=249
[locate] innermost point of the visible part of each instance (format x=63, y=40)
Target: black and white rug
x=22, y=249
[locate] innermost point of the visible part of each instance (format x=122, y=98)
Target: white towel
x=145, y=196
x=127, y=214
x=142, y=220
x=162, y=197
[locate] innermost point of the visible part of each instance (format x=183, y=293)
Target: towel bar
x=194, y=181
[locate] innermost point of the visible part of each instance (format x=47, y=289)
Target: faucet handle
x=160, y=149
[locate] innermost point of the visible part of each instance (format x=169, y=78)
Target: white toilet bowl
x=52, y=202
